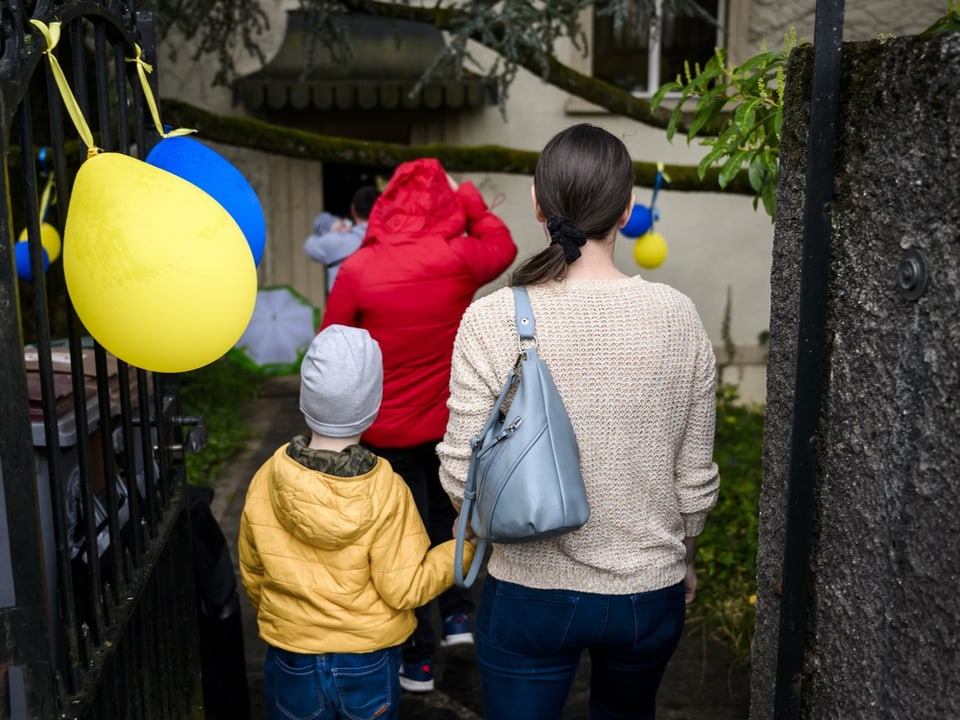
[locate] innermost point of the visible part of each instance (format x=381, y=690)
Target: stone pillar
x=883, y=618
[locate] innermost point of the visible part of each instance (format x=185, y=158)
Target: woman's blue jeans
x=529, y=644
x=332, y=686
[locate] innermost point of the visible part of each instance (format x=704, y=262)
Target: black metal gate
x=97, y=602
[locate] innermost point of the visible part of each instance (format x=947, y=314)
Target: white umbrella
x=281, y=328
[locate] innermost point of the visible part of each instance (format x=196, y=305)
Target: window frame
x=731, y=34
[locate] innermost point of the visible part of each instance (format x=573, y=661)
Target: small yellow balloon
x=158, y=271
x=49, y=238
x=650, y=250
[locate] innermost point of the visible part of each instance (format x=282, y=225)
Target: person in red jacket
x=430, y=245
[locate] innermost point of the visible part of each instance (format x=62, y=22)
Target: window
x=642, y=55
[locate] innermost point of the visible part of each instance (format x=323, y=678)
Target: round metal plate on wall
x=913, y=275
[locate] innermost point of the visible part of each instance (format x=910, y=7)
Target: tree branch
x=544, y=65
x=280, y=140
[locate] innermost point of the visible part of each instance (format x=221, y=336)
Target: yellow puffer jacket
x=337, y=564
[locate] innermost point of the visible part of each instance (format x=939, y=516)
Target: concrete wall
x=884, y=604
x=863, y=20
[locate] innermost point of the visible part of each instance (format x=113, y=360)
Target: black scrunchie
x=565, y=233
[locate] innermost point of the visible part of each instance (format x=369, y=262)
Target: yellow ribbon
x=143, y=67
x=660, y=167
x=45, y=198
x=51, y=34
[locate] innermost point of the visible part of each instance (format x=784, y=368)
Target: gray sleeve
x=331, y=247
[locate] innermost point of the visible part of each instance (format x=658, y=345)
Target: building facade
x=719, y=245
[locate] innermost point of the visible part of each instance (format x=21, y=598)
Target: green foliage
x=217, y=392
x=727, y=548
x=521, y=34
x=742, y=110
x=219, y=28
x=948, y=23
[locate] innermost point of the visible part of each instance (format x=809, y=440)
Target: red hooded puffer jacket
x=427, y=251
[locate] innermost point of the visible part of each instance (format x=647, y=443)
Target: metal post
x=828, y=39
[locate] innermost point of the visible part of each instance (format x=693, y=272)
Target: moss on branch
x=290, y=142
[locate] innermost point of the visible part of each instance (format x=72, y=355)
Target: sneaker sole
x=457, y=639
x=415, y=685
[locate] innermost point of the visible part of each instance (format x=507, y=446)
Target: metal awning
x=389, y=57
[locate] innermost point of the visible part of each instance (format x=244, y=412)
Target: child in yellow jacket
x=333, y=553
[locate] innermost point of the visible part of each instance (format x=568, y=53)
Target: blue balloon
x=22, y=250
x=197, y=164
x=640, y=222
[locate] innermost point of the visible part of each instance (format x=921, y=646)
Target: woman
x=637, y=375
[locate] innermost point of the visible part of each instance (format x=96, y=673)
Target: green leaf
x=708, y=111
x=674, y=122
x=745, y=113
x=757, y=173
x=769, y=196
x=662, y=92
x=717, y=152
x=762, y=60
x=731, y=167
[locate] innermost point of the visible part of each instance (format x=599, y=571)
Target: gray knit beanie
x=341, y=381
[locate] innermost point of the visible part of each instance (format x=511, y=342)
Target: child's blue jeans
x=332, y=686
x=529, y=643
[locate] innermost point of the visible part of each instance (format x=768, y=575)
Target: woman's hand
x=690, y=584
x=690, y=576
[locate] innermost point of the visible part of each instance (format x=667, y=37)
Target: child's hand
x=468, y=533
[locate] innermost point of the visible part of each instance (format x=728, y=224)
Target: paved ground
x=701, y=682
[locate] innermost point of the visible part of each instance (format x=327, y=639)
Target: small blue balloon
x=640, y=222
x=211, y=172
x=22, y=251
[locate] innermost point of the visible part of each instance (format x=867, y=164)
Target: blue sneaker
x=456, y=631
x=417, y=676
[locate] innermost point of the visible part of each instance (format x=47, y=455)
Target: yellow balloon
x=650, y=250
x=49, y=238
x=158, y=271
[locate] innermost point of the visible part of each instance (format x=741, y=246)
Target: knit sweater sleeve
x=697, y=476
x=479, y=367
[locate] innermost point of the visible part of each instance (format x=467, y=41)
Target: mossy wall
x=884, y=607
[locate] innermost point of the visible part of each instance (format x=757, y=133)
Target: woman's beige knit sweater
x=638, y=378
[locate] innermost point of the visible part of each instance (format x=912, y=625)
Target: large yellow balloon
x=650, y=250
x=49, y=239
x=158, y=271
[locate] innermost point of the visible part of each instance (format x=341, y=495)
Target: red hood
x=418, y=200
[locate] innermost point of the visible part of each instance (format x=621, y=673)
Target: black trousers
x=419, y=466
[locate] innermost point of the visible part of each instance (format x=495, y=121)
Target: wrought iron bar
x=71, y=629
x=115, y=549
x=825, y=87
x=95, y=619
x=130, y=465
